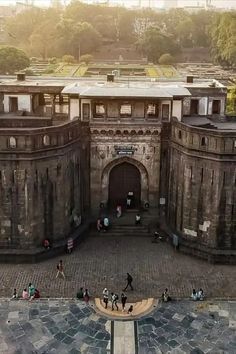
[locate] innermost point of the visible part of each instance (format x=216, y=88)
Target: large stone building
x=71, y=147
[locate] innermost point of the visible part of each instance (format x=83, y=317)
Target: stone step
x=129, y=227
x=117, y=234
x=139, y=308
x=143, y=231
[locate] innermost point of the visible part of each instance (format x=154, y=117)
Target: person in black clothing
x=123, y=301
x=129, y=282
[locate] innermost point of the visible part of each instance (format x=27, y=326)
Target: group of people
x=83, y=295
x=103, y=224
x=114, y=301
x=27, y=294
x=165, y=296
x=47, y=245
x=197, y=295
x=114, y=297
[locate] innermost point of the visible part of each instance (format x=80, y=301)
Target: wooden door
x=13, y=104
x=86, y=111
x=124, y=178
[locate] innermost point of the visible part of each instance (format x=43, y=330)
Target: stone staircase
x=140, y=308
x=125, y=226
x=128, y=230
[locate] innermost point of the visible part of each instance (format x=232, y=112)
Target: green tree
x=12, y=59
x=69, y=59
x=154, y=43
x=77, y=38
x=86, y=58
x=223, y=38
x=166, y=59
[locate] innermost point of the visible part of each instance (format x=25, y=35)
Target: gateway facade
x=70, y=148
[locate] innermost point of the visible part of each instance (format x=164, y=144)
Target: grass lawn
x=81, y=70
x=65, y=70
x=168, y=71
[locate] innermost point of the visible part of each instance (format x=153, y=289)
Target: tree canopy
x=223, y=38
x=12, y=60
x=80, y=29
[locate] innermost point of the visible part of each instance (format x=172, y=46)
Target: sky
x=158, y=3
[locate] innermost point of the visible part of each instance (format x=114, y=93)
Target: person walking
x=105, y=297
x=114, y=299
x=60, y=270
x=129, y=282
x=123, y=301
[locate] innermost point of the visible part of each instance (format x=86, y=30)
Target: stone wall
x=44, y=181
x=202, y=186
x=144, y=139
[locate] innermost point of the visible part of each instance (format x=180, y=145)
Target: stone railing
x=202, y=139
x=36, y=139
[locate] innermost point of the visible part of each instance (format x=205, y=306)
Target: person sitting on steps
x=200, y=295
x=194, y=295
x=165, y=296
x=137, y=219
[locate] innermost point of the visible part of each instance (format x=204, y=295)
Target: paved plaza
x=103, y=261
x=72, y=327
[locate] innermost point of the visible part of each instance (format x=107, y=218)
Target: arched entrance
x=124, y=178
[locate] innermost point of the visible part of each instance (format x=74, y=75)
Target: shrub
x=53, y=60
x=166, y=59
x=86, y=58
x=68, y=59
x=29, y=72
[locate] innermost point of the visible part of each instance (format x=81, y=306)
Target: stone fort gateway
x=70, y=148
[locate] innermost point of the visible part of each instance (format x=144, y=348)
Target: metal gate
x=124, y=178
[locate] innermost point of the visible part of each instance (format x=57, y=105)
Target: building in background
x=170, y=4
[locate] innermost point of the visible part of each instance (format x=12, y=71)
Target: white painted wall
x=24, y=102
x=61, y=108
x=177, y=109
x=74, y=108
x=203, y=106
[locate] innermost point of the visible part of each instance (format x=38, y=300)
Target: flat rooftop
x=101, y=81
x=222, y=123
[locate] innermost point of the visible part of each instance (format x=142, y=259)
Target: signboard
x=162, y=201
x=124, y=150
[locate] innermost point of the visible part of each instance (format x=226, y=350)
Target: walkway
x=103, y=261
x=71, y=327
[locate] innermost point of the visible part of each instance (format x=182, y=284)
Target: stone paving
x=72, y=327
x=52, y=327
x=104, y=261
x=188, y=327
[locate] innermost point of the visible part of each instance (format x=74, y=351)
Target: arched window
x=46, y=140
x=12, y=142
x=180, y=134
x=203, y=141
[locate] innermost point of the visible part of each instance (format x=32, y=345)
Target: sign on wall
x=124, y=150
